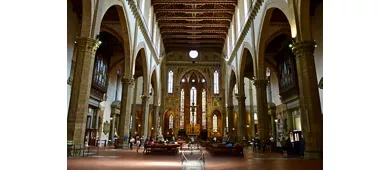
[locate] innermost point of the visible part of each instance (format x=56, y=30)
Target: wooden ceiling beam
x=192, y=31
x=194, y=36
x=192, y=41
x=190, y=25
x=198, y=49
x=191, y=2
x=230, y=11
x=194, y=18
x=194, y=45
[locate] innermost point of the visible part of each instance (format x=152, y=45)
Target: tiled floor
x=110, y=159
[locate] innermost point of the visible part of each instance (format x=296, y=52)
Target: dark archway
x=169, y=124
x=216, y=123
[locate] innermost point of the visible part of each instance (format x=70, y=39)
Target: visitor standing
x=302, y=146
x=263, y=145
x=138, y=143
x=284, y=146
x=131, y=143
x=146, y=143
x=253, y=145
x=268, y=145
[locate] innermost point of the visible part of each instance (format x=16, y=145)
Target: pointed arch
x=140, y=69
x=216, y=121
x=265, y=33
x=187, y=70
x=154, y=83
x=125, y=39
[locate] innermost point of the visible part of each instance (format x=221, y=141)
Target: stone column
x=100, y=115
x=134, y=118
x=161, y=112
x=311, y=116
x=112, y=123
x=252, y=125
x=241, y=125
x=262, y=108
x=231, y=121
x=155, y=121
x=145, y=116
x=134, y=108
x=272, y=112
x=124, y=120
x=289, y=121
x=224, y=130
x=81, y=88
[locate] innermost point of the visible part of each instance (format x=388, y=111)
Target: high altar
x=193, y=129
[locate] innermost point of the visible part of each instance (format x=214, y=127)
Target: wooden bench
x=222, y=148
x=170, y=148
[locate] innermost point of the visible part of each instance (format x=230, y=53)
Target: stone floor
x=112, y=159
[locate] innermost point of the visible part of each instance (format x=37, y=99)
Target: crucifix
x=193, y=108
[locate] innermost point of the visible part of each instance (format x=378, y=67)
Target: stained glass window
x=193, y=96
x=131, y=122
x=227, y=122
x=235, y=89
x=170, y=82
x=255, y=116
x=193, y=118
x=193, y=103
x=216, y=82
x=182, y=109
x=204, y=109
x=215, y=123
x=171, y=122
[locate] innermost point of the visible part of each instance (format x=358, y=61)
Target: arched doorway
x=216, y=125
x=138, y=122
x=235, y=116
x=150, y=124
x=248, y=124
x=169, y=124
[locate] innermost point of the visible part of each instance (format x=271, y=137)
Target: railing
x=201, y=161
x=183, y=158
x=82, y=150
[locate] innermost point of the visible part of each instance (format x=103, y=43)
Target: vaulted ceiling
x=194, y=24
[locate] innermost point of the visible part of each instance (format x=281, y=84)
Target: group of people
x=258, y=145
x=289, y=147
x=139, y=141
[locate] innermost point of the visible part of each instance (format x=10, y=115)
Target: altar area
x=193, y=129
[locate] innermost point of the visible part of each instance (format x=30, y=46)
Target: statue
x=159, y=131
x=115, y=133
x=160, y=136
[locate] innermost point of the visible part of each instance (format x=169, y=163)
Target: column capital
x=260, y=83
x=145, y=98
x=86, y=43
x=155, y=107
x=271, y=105
x=128, y=81
x=241, y=98
x=230, y=107
x=70, y=81
x=301, y=48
